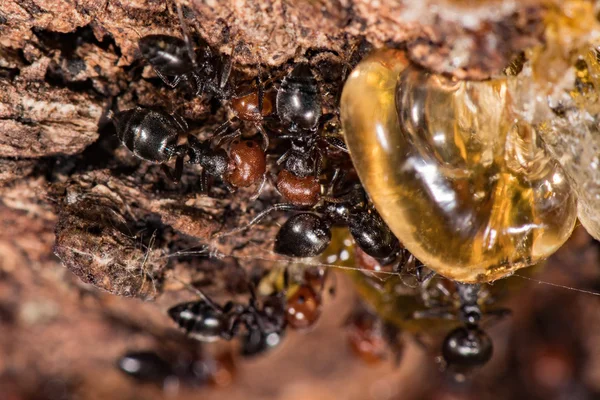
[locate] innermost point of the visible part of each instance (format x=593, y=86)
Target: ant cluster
x=290, y=112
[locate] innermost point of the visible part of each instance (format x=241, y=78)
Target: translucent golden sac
x=465, y=186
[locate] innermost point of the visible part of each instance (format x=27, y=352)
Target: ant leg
x=227, y=137
x=226, y=68
x=261, y=92
x=260, y=188
x=185, y=32
x=203, y=183
x=318, y=163
x=170, y=83
x=258, y=218
x=178, y=168
x=265, y=137
x=233, y=328
x=336, y=143
x=419, y=272
x=436, y=313
x=284, y=157
x=338, y=174
x=220, y=131
x=168, y=172
x=180, y=121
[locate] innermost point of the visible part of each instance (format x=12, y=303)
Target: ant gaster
x=467, y=346
x=305, y=302
x=208, y=321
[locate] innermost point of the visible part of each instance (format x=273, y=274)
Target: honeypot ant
x=187, y=368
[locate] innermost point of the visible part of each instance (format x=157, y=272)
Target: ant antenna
x=258, y=218
x=199, y=292
x=185, y=31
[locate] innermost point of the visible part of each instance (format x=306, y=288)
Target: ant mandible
x=208, y=321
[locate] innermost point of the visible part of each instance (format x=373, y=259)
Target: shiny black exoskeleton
x=174, y=60
x=207, y=321
x=187, y=368
x=468, y=346
x=299, y=108
x=151, y=135
x=309, y=233
x=158, y=137
x=298, y=100
x=145, y=366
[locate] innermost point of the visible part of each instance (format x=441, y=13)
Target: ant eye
x=454, y=151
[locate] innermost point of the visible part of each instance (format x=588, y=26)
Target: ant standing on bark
x=158, y=137
x=174, y=60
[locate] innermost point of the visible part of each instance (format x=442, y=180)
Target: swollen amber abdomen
x=465, y=185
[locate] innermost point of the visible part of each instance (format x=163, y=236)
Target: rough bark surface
x=86, y=225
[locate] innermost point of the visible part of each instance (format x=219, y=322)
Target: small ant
x=207, y=321
x=468, y=346
x=157, y=137
x=309, y=233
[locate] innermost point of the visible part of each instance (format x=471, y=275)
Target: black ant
x=158, y=137
x=299, y=108
x=174, y=60
x=309, y=233
x=467, y=346
x=187, y=369
x=207, y=321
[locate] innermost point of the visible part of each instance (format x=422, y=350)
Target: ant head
x=467, y=347
x=302, y=70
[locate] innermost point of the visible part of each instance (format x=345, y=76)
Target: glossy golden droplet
x=465, y=186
